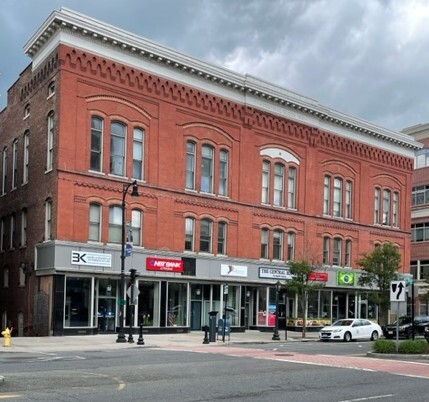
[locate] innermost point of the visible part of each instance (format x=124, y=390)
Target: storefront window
x=106, y=305
x=232, y=301
x=313, y=305
x=325, y=304
x=177, y=304
x=262, y=306
x=78, y=302
x=148, y=308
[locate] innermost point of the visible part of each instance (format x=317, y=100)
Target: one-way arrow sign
x=397, y=291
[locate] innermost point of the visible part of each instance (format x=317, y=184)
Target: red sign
x=164, y=264
x=318, y=276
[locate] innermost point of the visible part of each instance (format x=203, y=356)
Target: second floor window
x=117, y=148
x=50, y=142
x=4, y=177
x=206, y=231
x=96, y=144
x=277, y=245
x=24, y=228
x=189, y=234
x=283, y=183
x=12, y=231
x=386, y=207
x=138, y=152
x=48, y=220
x=136, y=227
x=221, y=237
x=337, y=252
x=207, y=169
x=337, y=197
x=26, y=158
x=15, y=164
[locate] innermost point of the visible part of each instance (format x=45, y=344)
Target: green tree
x=379, y=268
x=302, y=285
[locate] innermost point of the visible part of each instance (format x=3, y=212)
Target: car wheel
x=374, y=336
x=347, y=337
x=409, y=334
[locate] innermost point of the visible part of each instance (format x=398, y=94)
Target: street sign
x=397, y=291
x=133, y=293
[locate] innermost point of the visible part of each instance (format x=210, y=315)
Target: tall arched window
x=278, y=245
x=265, y=242
x=138, y=153
x=223, y=173
x=221, y=237
x=207, y=169
x=206, y=231
x=136, y=227
x=94, y=222
x=190, y=165
x=115, y=224
x=50, y=142
x=189, y=234
x=118, y=132
x=96, y=162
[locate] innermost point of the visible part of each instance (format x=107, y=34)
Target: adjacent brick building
x=236, y=176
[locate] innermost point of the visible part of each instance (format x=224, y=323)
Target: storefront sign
x=274, y=273
x=346, y=278
x=318, y=277
x=233, y=270
x=163, y=264
x=93, y=259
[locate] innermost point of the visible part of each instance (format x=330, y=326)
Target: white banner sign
x=93, y=259
x=233, y=270
x=274, y=273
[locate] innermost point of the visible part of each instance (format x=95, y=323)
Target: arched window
x=138, y=153
x=265, y=236
x=207, y=169
x=206, y=229
x=97, y=127
x=118, y=132
x=136, y=227
x=50, y=142
x=278, y=245
x=94, y=222
x=189, y=234
x=221, y=237
x=115, y=224
x=190, y=165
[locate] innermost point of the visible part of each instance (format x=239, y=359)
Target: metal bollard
x=206, y=332
x=140, y=340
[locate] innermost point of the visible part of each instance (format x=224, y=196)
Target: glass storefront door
x=106, y=305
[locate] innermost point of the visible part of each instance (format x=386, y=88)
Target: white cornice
x=74, y=29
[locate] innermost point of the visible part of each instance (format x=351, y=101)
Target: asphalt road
x=251, y=373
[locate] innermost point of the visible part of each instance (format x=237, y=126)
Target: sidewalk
x=50, y=344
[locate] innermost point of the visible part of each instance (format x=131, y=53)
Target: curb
x=398, y=356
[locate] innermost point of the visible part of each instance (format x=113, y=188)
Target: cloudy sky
x=366, y=58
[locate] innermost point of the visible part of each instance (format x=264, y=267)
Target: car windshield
x=404, y=320
x=342, y=323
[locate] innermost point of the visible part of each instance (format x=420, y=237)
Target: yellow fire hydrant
x=6, y=334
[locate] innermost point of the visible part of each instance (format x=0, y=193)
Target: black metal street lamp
x=134, y=193
x=276, y=336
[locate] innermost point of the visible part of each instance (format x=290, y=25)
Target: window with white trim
x=206, y=232
x=221, y=237
x=189, y=234
x=291, y=246
x=48, y=220
x=26, y=157
x=336, y=255
x=223, y=172
x=118, y=135
x=97, y=128
x=386, y=207
x=12, y=233
x=115, y=224
x=282, y=180
x=50, y=142
x=138, y=153
x=265, y=242
x=278, y=245
x=190, y=165
x=266, y=167
x=95, y=222
x=4, y=177
x=136, y=227
x=15, y=164
x=24, y=228
x=337, y=197
x=207, y=169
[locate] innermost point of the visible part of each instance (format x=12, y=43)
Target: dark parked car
x=427, y=333
x=406, y=327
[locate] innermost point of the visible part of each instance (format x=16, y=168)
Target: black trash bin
x=212, y=326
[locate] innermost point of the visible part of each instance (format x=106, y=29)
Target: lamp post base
x=276, y=336
x=121, y=338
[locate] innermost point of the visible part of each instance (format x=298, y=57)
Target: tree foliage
x=302, y=285
x=379, y=268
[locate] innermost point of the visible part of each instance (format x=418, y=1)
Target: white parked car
x=350, y=329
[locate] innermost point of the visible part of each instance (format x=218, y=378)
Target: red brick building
x=236, y=176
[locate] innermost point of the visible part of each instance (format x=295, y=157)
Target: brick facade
x=172, y=112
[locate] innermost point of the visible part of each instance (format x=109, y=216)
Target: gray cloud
x=367, y=58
